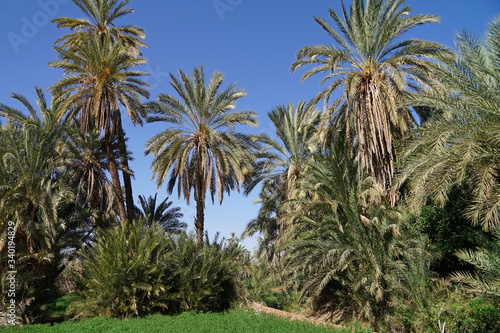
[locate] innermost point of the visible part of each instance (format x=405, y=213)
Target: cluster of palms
x=337, y=189
x=334, y=188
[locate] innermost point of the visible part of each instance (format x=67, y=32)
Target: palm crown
x=200, y=147
x=296, y=130
x=162, y=213
x=375, y=71
x=100, y=21
x=98, y=79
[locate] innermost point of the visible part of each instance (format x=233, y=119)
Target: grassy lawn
x=58, y=308
x=236, y=321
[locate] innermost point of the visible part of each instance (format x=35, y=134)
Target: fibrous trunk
x=373, y=131
x=115, y=179
x=127, y=182
x=200, y=204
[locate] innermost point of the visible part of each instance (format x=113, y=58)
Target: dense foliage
x=366, y=213
x=137, y=269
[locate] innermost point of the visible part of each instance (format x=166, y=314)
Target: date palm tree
x=36, y=195
x=98, y=79
x=370, y=71
x=461, y=145
x=281, y=165
x=100, y=21
x=286, y=158
x=200, y=147
x=163, y=214
x=347, y=249
x=88, y=165
x=33, y=156
x=101, y=15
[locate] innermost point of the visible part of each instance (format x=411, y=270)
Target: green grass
x=238, y=321
x=58, y=308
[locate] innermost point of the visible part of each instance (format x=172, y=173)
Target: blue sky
x=253, y=42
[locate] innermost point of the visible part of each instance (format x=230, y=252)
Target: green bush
x=204, y=279
x=449, y=230
x=459, y=313
x=259, y=280
x=124, y=273
x=138, y=269
x=481, y=314
x=275, y=299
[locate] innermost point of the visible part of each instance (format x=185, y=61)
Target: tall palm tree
x=98, y=79
x=373, y=70
x=201, y=148
x=286, y=159
x=461, y=145
x=100, y=22
x=281, y=165
x=163, y=214
x=101, y=15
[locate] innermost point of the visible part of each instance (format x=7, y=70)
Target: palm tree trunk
x=200, y=205
x=199, y=222
x=115, y=179
x=129, y=199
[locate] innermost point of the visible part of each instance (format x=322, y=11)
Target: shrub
x=457, y=312
x=137, y=270
x=449, y=230
x=275, y=299
x=479, y=314
x=124, y=272
x=204, y=279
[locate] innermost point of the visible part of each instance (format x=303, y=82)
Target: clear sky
x=253, y=42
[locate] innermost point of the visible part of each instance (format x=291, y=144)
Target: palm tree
x=375, y=71
x=461, y=145
x=286, y=159
x=281, y=165
x=32, y=157
x=101, y=15
x=200, y=147
x=88, y=164
x=267, y=225
x=346, y=249
x=266, y=222
x=99, y=78
x=163, y=214
x=36, y=195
